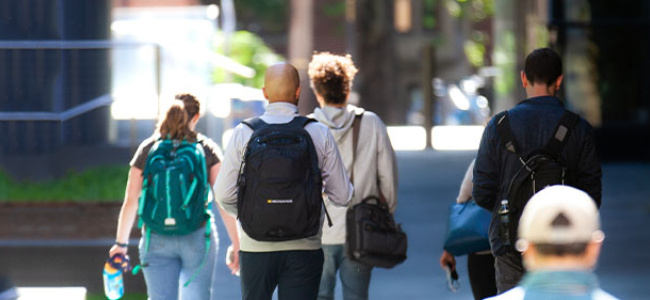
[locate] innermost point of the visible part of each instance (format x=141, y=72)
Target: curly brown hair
x=175, y=124
x=192, y=105
x=331, y=76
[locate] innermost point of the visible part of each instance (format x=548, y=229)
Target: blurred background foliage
x=268, y=16
x=100, y=184
x=247, y=49
x=475, y=12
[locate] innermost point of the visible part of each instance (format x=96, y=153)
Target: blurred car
x=460, y=103
x=229, y=104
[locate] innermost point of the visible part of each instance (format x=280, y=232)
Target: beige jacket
x=375, y=168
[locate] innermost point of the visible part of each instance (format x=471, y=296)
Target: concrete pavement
x=429, y=183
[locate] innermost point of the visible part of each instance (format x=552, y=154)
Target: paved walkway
x=429, y=183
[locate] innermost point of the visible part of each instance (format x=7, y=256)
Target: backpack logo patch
x=279, y=201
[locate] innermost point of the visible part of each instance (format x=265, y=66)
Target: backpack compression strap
x=505, y=133
x=562, y=131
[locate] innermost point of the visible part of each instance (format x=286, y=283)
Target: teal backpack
x=176, y=196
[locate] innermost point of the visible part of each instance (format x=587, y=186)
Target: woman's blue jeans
x=355, y=277
x=172, y=260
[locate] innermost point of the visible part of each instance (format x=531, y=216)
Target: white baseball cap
x=559, y=214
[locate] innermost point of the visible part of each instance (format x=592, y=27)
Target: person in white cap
x=560, y=238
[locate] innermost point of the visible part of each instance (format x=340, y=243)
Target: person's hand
x=232, y=259
x=117, y=250
x=447, y=259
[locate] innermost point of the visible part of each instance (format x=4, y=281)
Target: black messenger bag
x=373, y=238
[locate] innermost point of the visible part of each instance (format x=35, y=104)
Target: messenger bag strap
x=356, y=124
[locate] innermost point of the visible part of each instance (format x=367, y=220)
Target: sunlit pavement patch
x=413, y=138
x=39, y=293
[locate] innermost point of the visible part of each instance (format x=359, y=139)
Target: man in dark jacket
x=532, y=122
x=7, y=289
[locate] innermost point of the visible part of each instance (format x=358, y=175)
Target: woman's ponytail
x=175, y=124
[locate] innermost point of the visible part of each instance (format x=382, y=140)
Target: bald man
x=282, y=84
x=293, y=266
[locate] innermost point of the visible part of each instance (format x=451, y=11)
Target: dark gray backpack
x=539, y=168
x=280, y=184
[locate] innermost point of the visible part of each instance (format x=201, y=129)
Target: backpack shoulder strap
x=356, y=125
x=254, y=123
x=200, y=138
x=505, y=133
x=561, y=133
x=301, y=121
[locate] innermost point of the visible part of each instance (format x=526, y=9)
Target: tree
x=247, y=49
x=375, y=57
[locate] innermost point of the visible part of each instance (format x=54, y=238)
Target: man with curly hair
x=373, y=170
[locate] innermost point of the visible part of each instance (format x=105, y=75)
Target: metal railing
x=34, y=124
x=104, y=100
x=101, y=101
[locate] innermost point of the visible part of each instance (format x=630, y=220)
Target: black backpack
x=280, y=183
x=539, y=168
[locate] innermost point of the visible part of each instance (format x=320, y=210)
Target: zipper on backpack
x=181, y=178
x=153, y=211
x=184, y=194
x=155, y=184
x=187, y=198
x=169, y=221
x=189, y=161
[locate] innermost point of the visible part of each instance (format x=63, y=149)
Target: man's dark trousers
x=296, y=274
x=508, y=269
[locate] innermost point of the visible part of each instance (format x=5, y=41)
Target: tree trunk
x=301, y=46
x=375, y=59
